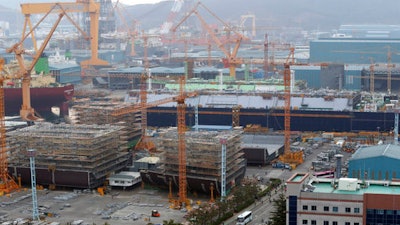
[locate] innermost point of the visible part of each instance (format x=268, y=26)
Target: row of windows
x=374, y=175
x=334, y=209
x=314, y=222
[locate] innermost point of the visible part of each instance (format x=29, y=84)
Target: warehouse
x=379, y=162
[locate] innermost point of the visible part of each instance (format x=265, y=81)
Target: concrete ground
x=129, y=206
x=120, y=207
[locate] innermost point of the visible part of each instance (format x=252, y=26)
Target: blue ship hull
x=301, y=120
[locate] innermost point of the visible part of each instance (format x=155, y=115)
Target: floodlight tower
x=35, y=210
x=223, y=142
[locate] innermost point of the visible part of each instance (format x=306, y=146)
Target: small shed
x=124, y=179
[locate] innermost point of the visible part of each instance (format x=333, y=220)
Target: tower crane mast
x=287, y=86
x=181, y=112
x=7, y=183
x=289, y=156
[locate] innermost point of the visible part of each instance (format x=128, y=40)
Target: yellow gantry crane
x=89, y=6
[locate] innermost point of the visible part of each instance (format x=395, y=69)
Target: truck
x=281, y=165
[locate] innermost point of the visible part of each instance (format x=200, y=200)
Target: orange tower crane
x=181, y=112
x=131, y=30
x=287, y=85
x=231, y=60
x=7, y=183
x=372, y=76
x=289, y=156
x=144, y=142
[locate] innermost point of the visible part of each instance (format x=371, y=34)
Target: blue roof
x=389, y=150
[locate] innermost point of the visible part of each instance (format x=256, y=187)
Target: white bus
x=244, y=218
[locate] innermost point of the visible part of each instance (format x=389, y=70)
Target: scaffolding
x=94, y=150
x=101, y=113
x=203, y=153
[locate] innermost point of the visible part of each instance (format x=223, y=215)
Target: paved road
x=262, y=209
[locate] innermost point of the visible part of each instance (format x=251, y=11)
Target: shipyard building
x=347, y=201
x=379, y=162
x=351, y=56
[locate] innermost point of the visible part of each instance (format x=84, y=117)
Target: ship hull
x=301, y=120
x=194, y=184
x=42, y=99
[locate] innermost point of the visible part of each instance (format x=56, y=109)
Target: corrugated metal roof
x=255, y=101
x=389, y=150
x=175, y=70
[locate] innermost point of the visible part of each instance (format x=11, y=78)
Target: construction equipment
x=155, y=213
x=231, y=60
x=89, y=6
x=27, y=113
x=132, y=31
x=289, y=156
x=181, y=107
x=7, y=183
x=144, y=142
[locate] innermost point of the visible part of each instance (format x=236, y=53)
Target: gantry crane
x=231, y=60
x=27, y=113
x=89, y=6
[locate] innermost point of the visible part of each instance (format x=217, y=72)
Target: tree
x=170, y=222
x=278, y=215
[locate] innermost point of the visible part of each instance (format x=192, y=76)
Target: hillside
x=307, y=14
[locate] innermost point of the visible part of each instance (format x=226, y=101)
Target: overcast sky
x=14, y=4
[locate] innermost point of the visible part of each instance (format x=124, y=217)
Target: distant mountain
x=322, y=15
x=307, y=14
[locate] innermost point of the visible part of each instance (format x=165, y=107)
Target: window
x=347, y=223
x=326, y=208
x=335, y=209
x=305, y=221
x=305, y=207
x=334, y=223
x=356, y=210
x=313, y=207
x=326, y=222
x=356, y=223
x=348, y=209
x=350, y=79
x=313, y=222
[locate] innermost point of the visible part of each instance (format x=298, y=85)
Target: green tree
x=278, y=215
x=170, y=222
